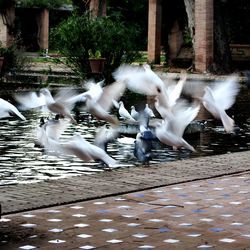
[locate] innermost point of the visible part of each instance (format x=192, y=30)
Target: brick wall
x=204, y=22
x=154, y=31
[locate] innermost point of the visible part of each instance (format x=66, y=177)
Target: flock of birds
x=174, y=112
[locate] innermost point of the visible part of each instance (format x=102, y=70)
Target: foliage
x=43, y=3
x=187, y=39
x=77, y=35
x=95, y=55
x=132, y=13
x=13, y=59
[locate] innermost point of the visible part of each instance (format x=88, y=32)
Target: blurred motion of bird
x=139, y=79
x=57, y=105
x=6, y=108
x=79, y=147
x=170, y=131
x=99, y=106
x=219, y=97
x=167, y=98
x=105, y=135
x=94, y=90
x=51, y=128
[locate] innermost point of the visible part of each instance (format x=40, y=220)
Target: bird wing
x=55, y=128
x=111, y=93
x=6, y=106
x=183, y=115
x=94, y=151
x=139, y=79
x=104, y=135
x=30, y=100
x=225, y=92
x=174, y=91
x=209, y=102
x=65, y=96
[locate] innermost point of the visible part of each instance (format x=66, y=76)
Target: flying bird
x=139, y=79
x=81, y=148
x=170, y=131
x=167, y=98
x=105, y=135
x=57, y=105
x=50, y=129
x=99, y=105
x=94, y=90
x=6, y=108
x=219, y=97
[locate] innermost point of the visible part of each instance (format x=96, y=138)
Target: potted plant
x=96, y=61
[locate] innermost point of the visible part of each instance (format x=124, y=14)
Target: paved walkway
x=24, y=197
x=211, y=213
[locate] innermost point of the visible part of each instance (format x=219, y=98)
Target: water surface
x=21, y=161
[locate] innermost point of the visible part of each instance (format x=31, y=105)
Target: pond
x=21, y=161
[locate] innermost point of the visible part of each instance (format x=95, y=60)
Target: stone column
x=98, y=7
x=44, y=29
x=204, y=34
x=154, y=31
x=3, y=32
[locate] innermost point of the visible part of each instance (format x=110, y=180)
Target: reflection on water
x=22, y=162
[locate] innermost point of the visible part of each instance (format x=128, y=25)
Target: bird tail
x=227, y=121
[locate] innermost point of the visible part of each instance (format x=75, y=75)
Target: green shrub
x=77, y=35
x=43, y=3
x=13, y=59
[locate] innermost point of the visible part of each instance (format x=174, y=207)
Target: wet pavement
x=211, y=213
x=190, y=204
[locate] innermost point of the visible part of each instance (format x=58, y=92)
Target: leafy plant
x=13, y=59
x=43, y=3
x=96, y=55
x=77, y=35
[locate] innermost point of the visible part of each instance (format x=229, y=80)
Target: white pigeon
x=100, y=107
x=135, y=114
x=94, y=90
x=59, y=105
x=139, y=79
x=104, y=135
x=30, y=100
x=52, y=128
x=170, y=131
x=6, y=108
x=149, y=111
x=220, y=97
x=82, y=149
x=123, y=112
x=167, y=98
